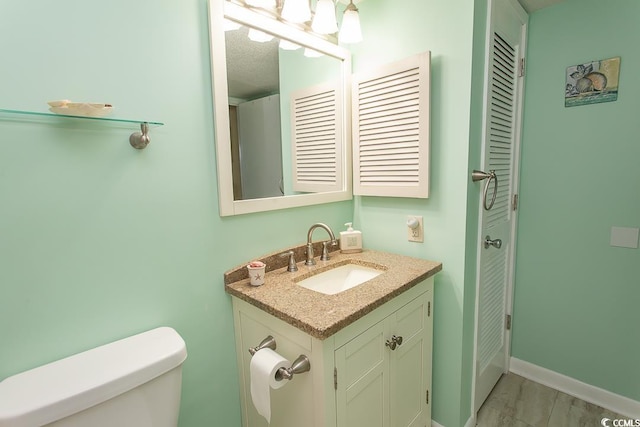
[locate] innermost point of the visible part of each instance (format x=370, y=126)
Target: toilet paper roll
x=263, y=367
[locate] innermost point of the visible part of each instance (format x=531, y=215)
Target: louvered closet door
x=500, y=149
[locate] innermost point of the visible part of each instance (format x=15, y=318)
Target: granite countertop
x=322, y=315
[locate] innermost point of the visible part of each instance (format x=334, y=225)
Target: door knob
x=393, y=342
x=496, y=243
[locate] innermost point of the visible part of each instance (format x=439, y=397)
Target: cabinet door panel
x=365, y=407
x=407, y=367
x=410, y=320
x=409, y=392
x=363, y=354
x=363, y=385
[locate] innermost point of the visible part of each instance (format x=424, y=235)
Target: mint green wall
x=100, y=241
x=576, y=297
x=393, y=32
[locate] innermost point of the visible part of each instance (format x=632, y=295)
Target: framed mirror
x=282, y=113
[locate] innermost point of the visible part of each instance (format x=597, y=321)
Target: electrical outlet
x=415, y=230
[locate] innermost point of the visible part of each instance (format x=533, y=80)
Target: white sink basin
x=339, y=279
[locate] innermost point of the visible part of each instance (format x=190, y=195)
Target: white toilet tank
x=135, y=381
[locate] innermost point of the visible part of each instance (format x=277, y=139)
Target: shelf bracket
x=140, y=139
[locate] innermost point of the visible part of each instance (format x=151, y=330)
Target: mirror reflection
x=284, y=116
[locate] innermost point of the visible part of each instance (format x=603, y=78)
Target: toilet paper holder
x=268, y=342
x=299, y=366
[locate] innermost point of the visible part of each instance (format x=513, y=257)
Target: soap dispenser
x=350, y=240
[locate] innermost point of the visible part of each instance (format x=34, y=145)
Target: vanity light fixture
x=350, y=32
x=296, y=11
x=324, y=19
x=265, y=4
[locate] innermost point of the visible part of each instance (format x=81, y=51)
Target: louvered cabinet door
x=391, y=129
x=317, y=139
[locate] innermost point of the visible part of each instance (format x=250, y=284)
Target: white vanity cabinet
x=384, y=372
x=358, y=377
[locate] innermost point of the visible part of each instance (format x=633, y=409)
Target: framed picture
x=592, y=82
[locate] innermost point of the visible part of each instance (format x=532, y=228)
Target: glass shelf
x=102, y=119
x=137, y=140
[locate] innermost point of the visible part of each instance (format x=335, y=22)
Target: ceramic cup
x=256, y=273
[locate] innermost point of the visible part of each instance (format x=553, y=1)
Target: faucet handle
x=292, y=267
x=325, y=252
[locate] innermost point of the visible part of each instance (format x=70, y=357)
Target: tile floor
x=518, y=402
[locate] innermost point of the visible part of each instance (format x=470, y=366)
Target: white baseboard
x=470, y=423
x=614, y=402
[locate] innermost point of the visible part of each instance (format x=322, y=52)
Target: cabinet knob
x=393, y=342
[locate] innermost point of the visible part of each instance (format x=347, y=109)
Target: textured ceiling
x=252, y=67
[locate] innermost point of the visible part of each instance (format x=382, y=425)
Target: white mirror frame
x=218, y=11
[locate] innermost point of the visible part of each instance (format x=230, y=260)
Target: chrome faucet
x=325, y=252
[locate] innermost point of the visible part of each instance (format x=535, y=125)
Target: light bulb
x=350, y=31
x=287, y=45
x=310, y=53
x=296, y=11
x=324, y=20
x=259, y=36
x=265, y=4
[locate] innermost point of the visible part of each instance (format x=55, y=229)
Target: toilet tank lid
x=61, y=388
